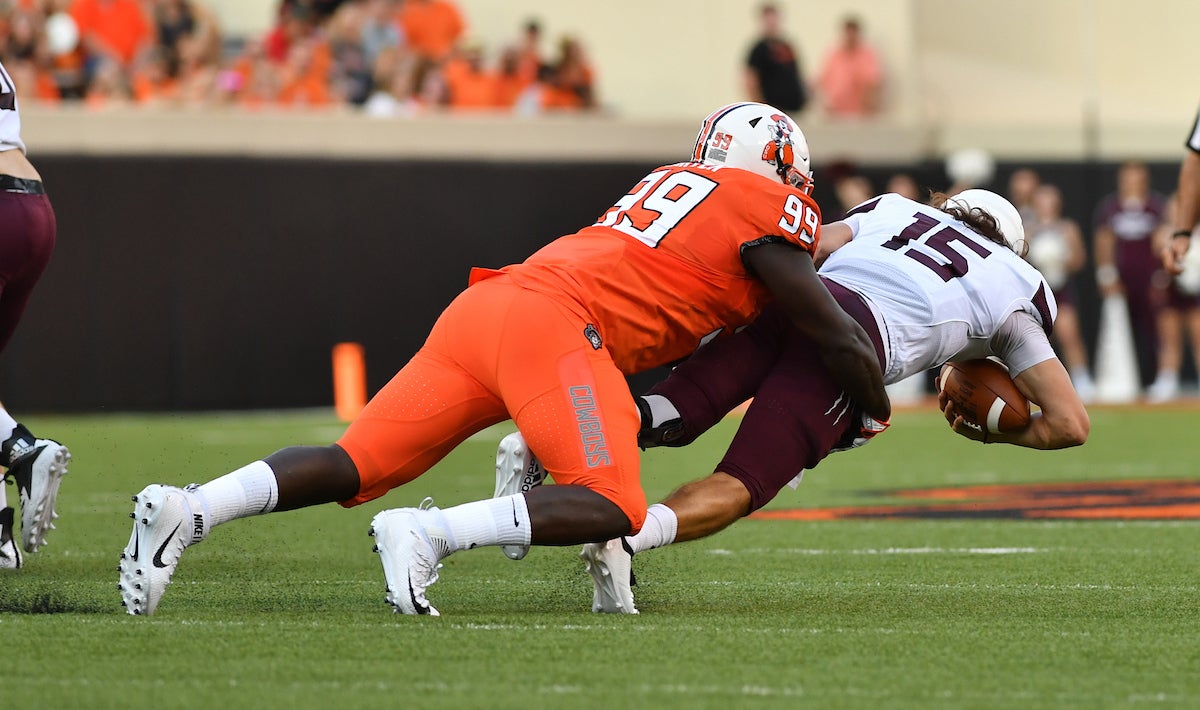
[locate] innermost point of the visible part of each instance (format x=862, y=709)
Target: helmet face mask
x=758, y=138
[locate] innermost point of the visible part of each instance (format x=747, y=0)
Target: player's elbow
x=1081, y=426
x=1070, y=429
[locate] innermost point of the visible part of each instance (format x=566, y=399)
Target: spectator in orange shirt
x=511, y=79
x=470, y=85
x=305, y=76
x=851, y=76
x=570, y=84
x=432, y=27
x=115, y=29
x=255, y=82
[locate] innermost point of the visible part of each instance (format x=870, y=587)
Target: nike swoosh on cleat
x=136, y=543
x=162, y=548
x=628, y=548
x=516, y=523
x=421, y=609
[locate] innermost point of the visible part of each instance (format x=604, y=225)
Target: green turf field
x=288, y=610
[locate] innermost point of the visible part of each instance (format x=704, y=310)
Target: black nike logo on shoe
x=516, y=523
x=629, y=548
x=422, y=609
x=163, y=547
x=136, y=543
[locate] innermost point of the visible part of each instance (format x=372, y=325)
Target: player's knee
x=630, y=503
x=754, y=493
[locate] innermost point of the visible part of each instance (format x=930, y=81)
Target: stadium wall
x=222, y=282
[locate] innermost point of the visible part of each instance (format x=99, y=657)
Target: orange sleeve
x=781, y=213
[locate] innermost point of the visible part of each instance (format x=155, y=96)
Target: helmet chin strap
x=782, y=169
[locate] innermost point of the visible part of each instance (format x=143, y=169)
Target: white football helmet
x=1007, y=217
x=758, y=138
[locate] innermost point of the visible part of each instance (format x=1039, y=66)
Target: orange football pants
x=501, y=352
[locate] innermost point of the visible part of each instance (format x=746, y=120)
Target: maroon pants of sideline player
x=798, y=413
x=26, y=243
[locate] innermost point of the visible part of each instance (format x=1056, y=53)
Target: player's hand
x=1173, y=253
x=960, y=426
x=868, y=428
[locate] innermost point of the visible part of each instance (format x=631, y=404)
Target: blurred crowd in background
x=388, y=56
x=406, y=57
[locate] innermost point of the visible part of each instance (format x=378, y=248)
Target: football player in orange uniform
x=692, y=250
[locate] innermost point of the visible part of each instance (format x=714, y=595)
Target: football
x=985, y=395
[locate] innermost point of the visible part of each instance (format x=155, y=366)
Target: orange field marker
x=349, y=380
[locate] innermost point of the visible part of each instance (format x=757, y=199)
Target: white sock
x=7, y=424
x=496, y=521
x=661, y=409
x=658, y=530
x=250, y=490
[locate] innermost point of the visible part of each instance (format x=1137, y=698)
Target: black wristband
x=1181, y=233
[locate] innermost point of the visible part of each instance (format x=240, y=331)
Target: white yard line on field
x=885, y=551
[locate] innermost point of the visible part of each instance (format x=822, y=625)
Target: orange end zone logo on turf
x=1171, y=499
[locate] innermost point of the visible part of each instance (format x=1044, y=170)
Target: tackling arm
x=846, y=349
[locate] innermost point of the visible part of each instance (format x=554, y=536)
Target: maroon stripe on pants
x=26, y=243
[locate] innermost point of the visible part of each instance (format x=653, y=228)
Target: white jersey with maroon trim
x=10, y=117
x=940, y=290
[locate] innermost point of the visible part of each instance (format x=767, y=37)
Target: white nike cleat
x=10, y=554
x=38, y=475
x=166, y=520
x=410, y=560
x=611, y=566
x=517, y=471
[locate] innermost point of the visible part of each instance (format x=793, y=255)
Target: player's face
x=1047, y=202
x=1133, y=180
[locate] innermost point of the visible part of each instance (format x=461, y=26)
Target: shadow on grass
x=49, y=601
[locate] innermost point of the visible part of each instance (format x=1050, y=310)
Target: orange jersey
x=662, y=269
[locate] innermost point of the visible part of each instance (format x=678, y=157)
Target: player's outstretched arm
x=1062, y=423
x=846, y=349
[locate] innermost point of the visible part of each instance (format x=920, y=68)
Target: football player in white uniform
x=36, y=465
x=931, y=286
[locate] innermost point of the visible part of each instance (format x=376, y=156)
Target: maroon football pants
x=798, y=414
x=27, y=233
